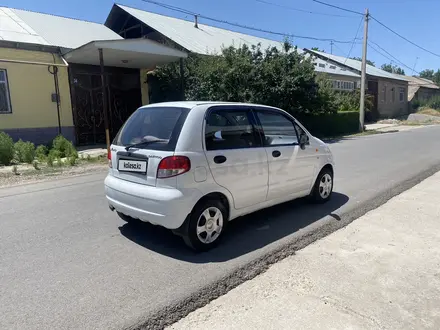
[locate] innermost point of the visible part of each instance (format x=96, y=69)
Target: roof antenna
x=196, y=21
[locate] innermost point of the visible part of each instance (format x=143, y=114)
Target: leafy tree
x=282, y=78
x=392, y=69
x=427, y=74
x=360, y=60
x=436, y=78
x=317, y=49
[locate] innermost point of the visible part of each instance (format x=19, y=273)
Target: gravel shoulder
x=27, y=174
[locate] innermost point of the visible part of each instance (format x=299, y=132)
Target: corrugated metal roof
x=421, y=82
x=202, y=40
x=415, y=83
x=31, y=27
x=332, y=68
x=356, y=65
x=12, y=28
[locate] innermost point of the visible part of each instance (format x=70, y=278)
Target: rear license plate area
x=134, y=166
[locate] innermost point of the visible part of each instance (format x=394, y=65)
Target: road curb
x=173, y=313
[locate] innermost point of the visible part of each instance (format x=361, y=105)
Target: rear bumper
x=166, y=207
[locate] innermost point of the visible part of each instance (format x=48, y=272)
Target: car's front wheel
x=323, y=188
x=206, y=225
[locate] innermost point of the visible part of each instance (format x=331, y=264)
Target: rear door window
x=158, y=127
x=230, y=129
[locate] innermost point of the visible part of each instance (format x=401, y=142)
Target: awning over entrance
x=126, y=53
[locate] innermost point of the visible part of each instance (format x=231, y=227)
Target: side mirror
x=303, y=140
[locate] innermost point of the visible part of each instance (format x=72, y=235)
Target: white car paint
x=250, y=179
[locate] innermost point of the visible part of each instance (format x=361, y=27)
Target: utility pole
x=104, y=100
x=414, y=68
x=331, y=46
x=363, y=73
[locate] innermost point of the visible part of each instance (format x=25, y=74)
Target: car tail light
x=109, y=157
x=173, y=166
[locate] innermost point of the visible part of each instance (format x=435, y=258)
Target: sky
x=414, y=19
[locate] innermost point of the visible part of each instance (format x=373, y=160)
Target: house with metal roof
x=421, y=89
x=341, y=78
x=190, y=36
x=194, y=37
x=389, y=91
x=77, y=78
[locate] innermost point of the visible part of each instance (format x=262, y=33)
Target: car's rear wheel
x=323, y=188
x=206, y=225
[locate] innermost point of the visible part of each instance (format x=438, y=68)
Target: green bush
x=25, y=151
x=55, y=154
x=433, y=103
x=282, y=77
x=415, y=104
x=64, y=147
x=41, y=152
x=72, y=160
x=50, y=160
x=59, y=162
x=6, y=149
x=329, y=125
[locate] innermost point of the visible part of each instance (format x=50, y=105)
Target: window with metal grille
x=5, y=103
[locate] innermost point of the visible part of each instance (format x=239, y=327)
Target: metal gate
x=124, y=97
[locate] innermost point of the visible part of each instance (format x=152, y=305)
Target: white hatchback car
x=193, y=166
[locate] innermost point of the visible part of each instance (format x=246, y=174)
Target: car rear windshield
x=158, y=127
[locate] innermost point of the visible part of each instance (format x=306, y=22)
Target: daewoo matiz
x=194, y=166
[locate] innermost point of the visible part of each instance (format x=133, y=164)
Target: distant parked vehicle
x=194, y=166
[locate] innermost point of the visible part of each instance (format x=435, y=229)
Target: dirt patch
x=24, y=174
x=429, y=112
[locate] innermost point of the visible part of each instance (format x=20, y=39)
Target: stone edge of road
x=171, y=314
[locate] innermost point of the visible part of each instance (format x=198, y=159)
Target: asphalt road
x=67, y=262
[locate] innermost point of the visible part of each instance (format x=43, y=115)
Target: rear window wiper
x=140, y=144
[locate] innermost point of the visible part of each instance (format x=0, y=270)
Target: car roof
x=193, y=104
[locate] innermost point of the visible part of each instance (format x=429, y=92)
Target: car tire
x=323, y=187
x=206, y=225
x=127, y=218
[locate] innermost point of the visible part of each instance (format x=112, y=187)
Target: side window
x=5, y=102
x=300, y=131
x=229, y=129
x=401, y=94
x=277, y=128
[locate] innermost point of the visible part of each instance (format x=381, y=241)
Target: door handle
x=276, y=153
x=219, y=159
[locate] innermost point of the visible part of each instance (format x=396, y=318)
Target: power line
x=245, y=26
x=379, y=52
x=403, y=64
x=393, y=58
x=406, y=39
x=354, y=40
x=275, y=33
x=340, y=49
x=301, y=10
x=164, y=5
x=340, y=8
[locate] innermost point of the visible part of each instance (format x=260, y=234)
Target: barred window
x=5, y=102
